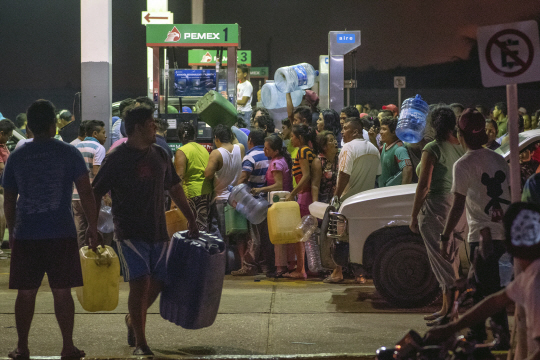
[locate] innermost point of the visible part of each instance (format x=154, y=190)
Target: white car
x=370, y=233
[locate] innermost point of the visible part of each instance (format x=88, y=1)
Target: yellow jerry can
x=101, y=278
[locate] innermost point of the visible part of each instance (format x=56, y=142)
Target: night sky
x=40, y=40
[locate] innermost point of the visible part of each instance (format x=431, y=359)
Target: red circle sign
x=525, y=64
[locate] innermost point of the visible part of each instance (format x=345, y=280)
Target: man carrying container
x=136, y=173
x=38, y=183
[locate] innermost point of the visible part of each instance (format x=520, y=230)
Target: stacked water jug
x=288, y=79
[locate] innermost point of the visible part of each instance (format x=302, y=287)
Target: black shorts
x=31, y=259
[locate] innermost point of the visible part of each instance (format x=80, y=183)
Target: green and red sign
x=261, y=72
x=199, y=57
x=192, y=35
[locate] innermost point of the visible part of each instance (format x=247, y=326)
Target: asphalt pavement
x=266, y=317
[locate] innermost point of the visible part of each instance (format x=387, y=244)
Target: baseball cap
x=522, y=110
x=187, y=109
x=393, y=108
x=472, y=126
x=1, y=116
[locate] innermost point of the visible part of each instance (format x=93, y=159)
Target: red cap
x=363, y=114
x=393, y=108
x=472, y=126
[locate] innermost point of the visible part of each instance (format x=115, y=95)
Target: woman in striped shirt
x=301, y=137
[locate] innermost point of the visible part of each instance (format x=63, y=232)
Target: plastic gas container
x=272, y=98
x=412, y=120
x=235, y=223
x=176, y=221
x=214, y=109
x=253, y=208
x=291, y=78
x=277, y=196
x=195, y=271
x=101, y=278
x=283, y=217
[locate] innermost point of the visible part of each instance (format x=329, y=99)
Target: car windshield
x=505, y=148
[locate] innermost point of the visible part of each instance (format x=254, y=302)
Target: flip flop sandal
x=297, y=276
x=75, y=355
x=131, y=333
x=143, y=350
x=332, y=280
x=433, y=316
x=16, y=355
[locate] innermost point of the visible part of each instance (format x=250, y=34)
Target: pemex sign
x=192, y=35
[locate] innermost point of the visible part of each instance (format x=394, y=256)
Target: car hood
x=392, y=201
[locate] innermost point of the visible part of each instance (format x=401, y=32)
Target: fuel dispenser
x=184, y=87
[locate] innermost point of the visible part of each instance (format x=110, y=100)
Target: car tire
x=402, y=273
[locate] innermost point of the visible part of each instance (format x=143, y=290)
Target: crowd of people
x=317, y=155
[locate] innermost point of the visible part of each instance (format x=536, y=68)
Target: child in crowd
x=278, y=178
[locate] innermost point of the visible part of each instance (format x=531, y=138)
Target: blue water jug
x=195, y=273
x=291, y=78
x=272, y=98
x=412, y=120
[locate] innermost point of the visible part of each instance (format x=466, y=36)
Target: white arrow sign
x=150, y=17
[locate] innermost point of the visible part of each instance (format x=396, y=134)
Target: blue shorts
x=139, y=258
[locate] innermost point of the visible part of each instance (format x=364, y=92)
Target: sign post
x=509, y=55
x=399, y=83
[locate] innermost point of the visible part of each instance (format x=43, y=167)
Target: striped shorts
x=140, y=258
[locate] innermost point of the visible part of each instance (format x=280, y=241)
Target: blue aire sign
x=346, y=38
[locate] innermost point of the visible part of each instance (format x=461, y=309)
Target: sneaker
x=245, y=272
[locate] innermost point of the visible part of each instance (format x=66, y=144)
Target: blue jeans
x=246, y=115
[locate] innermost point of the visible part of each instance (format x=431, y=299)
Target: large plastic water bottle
x=313, y=254
x=412, y=120
x=254, y=209
x=105, y=220
x=272, y=98
x=291, y=78
x=506, y=269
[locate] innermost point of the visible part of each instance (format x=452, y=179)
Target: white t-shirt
x=525, y=291
x=361, y=160
x=244, y=89
x=483, y=177
x=22, y=142
x=76, y=141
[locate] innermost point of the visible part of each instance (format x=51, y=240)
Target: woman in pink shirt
x=278, y=178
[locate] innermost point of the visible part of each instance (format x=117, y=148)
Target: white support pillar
x=157, y=6
x=197, y=11
x=96, y=61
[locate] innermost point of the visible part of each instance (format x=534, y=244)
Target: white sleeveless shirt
x=229, y=172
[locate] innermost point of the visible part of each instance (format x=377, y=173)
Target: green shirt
x=195, y=184
x=446, y=154
x=393, y=160
x=502, y=126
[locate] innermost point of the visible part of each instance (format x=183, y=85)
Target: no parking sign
x=509, y=53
